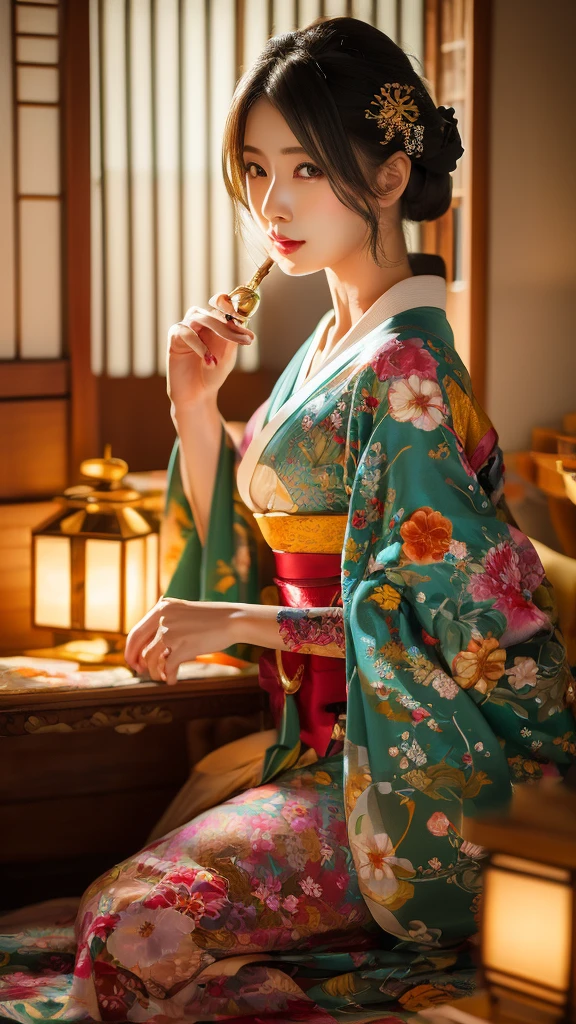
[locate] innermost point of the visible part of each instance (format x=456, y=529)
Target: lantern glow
x=529, y=905
x=95, y=562
x=534, y=942
x=52, y=604
x=103, y=559
x=135, y=581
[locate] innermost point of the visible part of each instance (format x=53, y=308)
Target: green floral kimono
x=456, y=672
x=347, y=881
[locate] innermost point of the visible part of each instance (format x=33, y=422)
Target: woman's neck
x=356, y=283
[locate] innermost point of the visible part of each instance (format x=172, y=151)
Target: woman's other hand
x=176, y=631
x=202, y=351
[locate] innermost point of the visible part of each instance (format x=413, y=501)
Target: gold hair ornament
x=397, y=114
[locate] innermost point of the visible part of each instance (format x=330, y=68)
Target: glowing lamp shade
x=52, y=605
x=529, y=905
x=103, y=585
x=95, y=562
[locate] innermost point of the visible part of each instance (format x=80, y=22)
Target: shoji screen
x=33, y=343
x=162, y=77
x=30, y=181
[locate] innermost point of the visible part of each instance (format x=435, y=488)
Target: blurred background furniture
x=550, y=465
x=85, y=774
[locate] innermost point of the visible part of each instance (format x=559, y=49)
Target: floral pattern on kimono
x=457, y=684
x=250, y=911
x=457, y=676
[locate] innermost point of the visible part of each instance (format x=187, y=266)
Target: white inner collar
x=420, y=290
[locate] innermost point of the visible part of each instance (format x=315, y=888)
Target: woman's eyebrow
x=290, y=149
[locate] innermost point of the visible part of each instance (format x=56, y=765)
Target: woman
x=414, y=665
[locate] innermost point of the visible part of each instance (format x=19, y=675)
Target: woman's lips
x=286, y=246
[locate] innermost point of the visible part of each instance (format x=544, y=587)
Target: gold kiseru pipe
x=246, y=297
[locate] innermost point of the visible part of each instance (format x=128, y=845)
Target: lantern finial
x=107, y=469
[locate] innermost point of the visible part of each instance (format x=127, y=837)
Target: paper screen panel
x=195, y=209
x=336, y=8
x=96, y=210
x=37, y=51
x=283, y=16
x=167, y=105
x=115, y=197
x=222, y=79
x=39, y=20
x=7, y=304
x=386, y=17
x=37, y=84
x=362, y=9
x=412, y=32
x=40, y=263
x=308, y=10
x=248, y=256
x=142, y=183
x=39, y=150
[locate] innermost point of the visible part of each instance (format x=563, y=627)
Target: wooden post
x=84, y=419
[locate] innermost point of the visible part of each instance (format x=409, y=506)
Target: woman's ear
x=393, y=177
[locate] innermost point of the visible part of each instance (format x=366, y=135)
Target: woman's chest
x=304, y=466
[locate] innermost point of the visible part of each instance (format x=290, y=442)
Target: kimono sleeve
x=456, y=670
x=225, y=568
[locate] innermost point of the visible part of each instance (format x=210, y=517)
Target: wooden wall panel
x=34, y=446
x=463, y=27
x=16, y=522
x=106, y=824
x=34, y=378
x=73, y=804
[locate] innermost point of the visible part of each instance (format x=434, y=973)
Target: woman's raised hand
x=202, y=351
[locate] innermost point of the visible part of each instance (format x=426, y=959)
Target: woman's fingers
x=170, y=666
x=154, y=654
x=137, y=639
x=223, y=304
x=186, y=334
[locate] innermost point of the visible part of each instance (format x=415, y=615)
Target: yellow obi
x=306, y=534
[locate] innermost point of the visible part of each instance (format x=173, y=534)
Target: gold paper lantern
x=95, y=561
x=528, y=931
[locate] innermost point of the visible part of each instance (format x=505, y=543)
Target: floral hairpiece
x=397, y=114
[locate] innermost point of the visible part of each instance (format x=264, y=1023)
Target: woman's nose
x=275, y=205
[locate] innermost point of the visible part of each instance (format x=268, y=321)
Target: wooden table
x=85, y=774
x=129, y=708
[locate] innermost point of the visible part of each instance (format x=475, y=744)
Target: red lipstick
x=283, y=244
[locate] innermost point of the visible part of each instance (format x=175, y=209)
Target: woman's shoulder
x=418, y=377
x=413, y=351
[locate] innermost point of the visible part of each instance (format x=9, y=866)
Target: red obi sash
x=307, y=581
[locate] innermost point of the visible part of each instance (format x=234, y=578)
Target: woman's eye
x=248, y=169
x=254, y=170
x=317, y=174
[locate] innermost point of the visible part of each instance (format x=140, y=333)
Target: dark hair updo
x=322, y=79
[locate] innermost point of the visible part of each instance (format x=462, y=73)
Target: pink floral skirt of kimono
x=192, y=926
x=179, y=930
x=250, y=911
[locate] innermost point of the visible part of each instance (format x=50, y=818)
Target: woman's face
x=292, y=197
